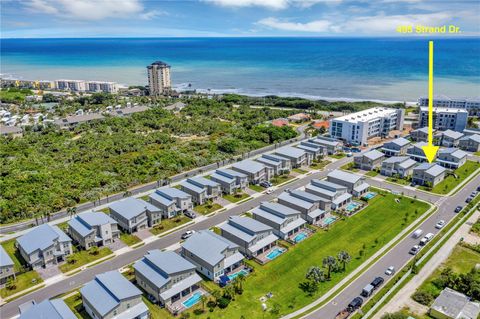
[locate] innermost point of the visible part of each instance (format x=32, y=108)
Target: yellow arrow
x=430, y=150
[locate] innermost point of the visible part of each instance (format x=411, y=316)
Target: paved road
x=11, y=309
x=399, y=255
x=151, y=186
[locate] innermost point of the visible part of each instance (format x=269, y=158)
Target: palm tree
x=241, y=279
x=315, y=274
x=229, y=291
x=329, y=262
x=216, y=294
x=344, y=258
x=203, y=300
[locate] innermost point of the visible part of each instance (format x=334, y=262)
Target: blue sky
x=154, y=18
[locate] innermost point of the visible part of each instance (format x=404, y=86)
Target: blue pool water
x=275, y=253
x=192, y=300
x=300, y=237
x=350, y=207
x=329, y=220
x=370, y=195
x=234, y=275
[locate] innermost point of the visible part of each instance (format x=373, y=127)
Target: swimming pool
x=236, y=274
x=329, y=220
x=370, y=195
x=299, y=237
x=192, y=300
x=275, y=253
x=351, y=207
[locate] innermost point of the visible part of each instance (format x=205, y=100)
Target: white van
x=417, y=233
x=426, y=239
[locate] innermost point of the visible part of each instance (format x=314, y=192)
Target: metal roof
x=181, y=286
x=5, y=259
x=474, y=137
x=400, y=141
x=452, y=134
x=454, y=304
x=396, y=159
x=267, y=161
x=373, y=155
x=327, y=185
x=83, y=223
x=203, y=181
x=172, y=193
x=345, y=176
x=249, y=166
x=278, y=209
x=48, y=309
x=41, y=237
x=290, y=151
x=222, y=178
x=208, y=246
x=455, y=152
x=230, y=173
x=192, y=186
x=244, y=228
x=430, y=168
x=131, y=207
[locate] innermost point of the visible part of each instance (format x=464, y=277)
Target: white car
x=188, y=234
x=269, y=191
x=415, y=249
x=390, y=271
x=440, y=224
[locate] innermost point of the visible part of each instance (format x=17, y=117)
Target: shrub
x=396, y=315
x=223, y=302
x=423, y=297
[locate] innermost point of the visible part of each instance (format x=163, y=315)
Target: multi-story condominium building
x=133, y=214
x=284, y=220
x=428, y=174
x=444, y=118
x=357, y=128
x=472, y=105
x=71, y=85
x=306, y=203
x=398, y=165
x=448, y=138
x=256, y=172
x=355, y=183
x=201, y=189
x=110, y=296
x=90, y=229
x=451, y=158
x=416, y=152
x=470, y=143
x=230, y=180
x=168, y=278
x=100, y=86
x=252, y=237
x=316, y=150
x=297, y=157
x=281, y=165
x=6, y=266
x=212, y=254
x=420, y=134
x=337, y=194
x=369, y=160
x=28, y=84
x=48, y=309
x=44, y=245
x=331, y=145
x=159, y=78
x=171, y=201
x=397, y=147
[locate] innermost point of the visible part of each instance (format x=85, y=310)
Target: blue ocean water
x=357, y=68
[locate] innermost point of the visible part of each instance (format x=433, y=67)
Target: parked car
x=414, y=250
x=349, y=154
x=478, y=189
x=269, y=191
x=367, y=291
x=390, y=271
x=188, y=234
x=440, y=224
x=355, y=304
x=458, y=209
x=190, y=214
x=468, y=200
x=356, y=150
x=417, y=233
x=473, y=194
x=426, y=239
x=265, y=184
x=377, y=282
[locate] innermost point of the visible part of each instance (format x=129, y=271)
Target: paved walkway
x=402, y=298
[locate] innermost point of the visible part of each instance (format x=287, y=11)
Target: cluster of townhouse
x=62, y=85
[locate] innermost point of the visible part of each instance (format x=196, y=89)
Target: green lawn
x=129, y=239
x=63, y=226
x=75, y=304
x=450, y=182
x=349, y=167
x=319, y=164
x=256, y=188
x=338, y=156
x=22, y=282
x=366, y=231
x=233, y=198
x=277, y=180
x=300, y=171
x=167, y=224
x=84, y=257
x=12, y=251
x=207, y=208
x=400, y=181
x=372, y=173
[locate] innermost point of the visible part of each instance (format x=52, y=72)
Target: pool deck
x=178, y=307
x=307, y=231
x=327, y=216
x=262, y=258
x=361, y=206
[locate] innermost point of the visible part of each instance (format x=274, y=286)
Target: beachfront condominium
x=159, y=78
x=99, y=86
x=472, y=105
x=357, y=128
x=70, y=85
x=86, y=86
x=444, y=118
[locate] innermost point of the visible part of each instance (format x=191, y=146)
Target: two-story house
x=451, y=158
x=368, y=160
x=355, y=184
x=44, y=246
x=213, y=255
x=167, y=278
x=416, y=152
x=397, y=147
x=428, y=174
x=252, y=237
x=47, y=309
x=337, y=194
x=280, y=165
x=201, y=189
x=110, y=295
x=331, y=145
x=284, y=220
x=398, y=165
x=297, y=157
x=306, y=203
x=470, y=143
x=448, y=138
x=420, y=134
x=134, y=214
x=230, y=180
x=315, y=150
x=6, y=266
x=171, y=201
x=256, y=172
x=91, y=228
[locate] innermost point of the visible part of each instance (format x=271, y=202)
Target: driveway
x=143, y=234
x=117, y=244
x=48, y=272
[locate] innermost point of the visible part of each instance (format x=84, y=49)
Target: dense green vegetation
x=52, y=169
x=14, y=95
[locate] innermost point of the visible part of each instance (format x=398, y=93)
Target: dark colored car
x=478, y=189
x=377, y=282
x=458, y=209
x=355, y=304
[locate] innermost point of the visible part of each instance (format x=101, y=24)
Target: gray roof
x=244, y=228
x=430, y=168
x=408, y=163
x=157, y=266
x=131, y=207
x=400, y=141
x=48, y=309
x=172, y=193
x=41, y=237
x=278, y=209
x=324, y=142
x=161, y=199
x=326, y=184
x=208, y=246
x=419, y=145
x=455, y=152
x=131, y=110
x=5, y=130
x=230, y=173
x=107, y=290
x=181, y=286
x=79, y=118
x=396, y=159
x=192, y=186
x=423, y=130
x=299, y=202
x=83, y=223
x=5, y=259
x=454, y=304
x=474, y=137
x=203, y=181
x=345, y=176
x=308, y=148
x=249, y=166
x=373, y=155
x=290, y=151
x=452, y=134
x=311, y=144
x=222, y=178
x=275, y=157
x=267, y=161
